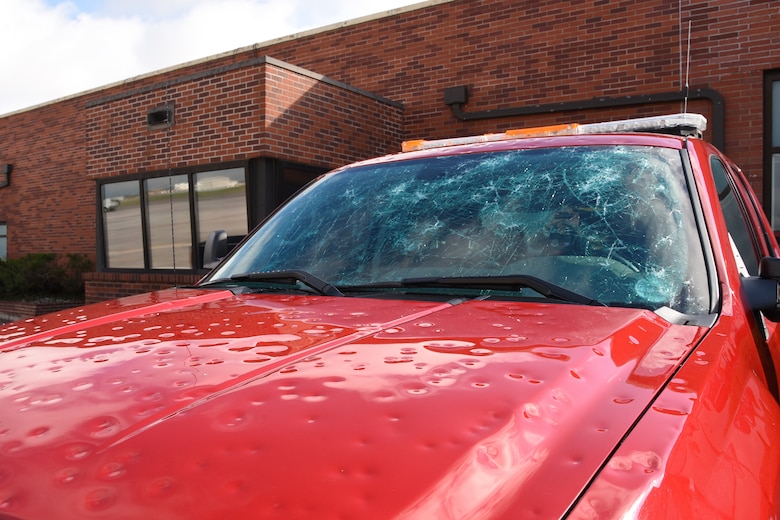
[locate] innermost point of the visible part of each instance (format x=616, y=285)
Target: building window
x=3, y=241
x=168, y=222
x=772, y=147
x=160, y=220
x=122, y=231
x=221, y=201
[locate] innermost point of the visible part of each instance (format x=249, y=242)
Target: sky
x=53, y=48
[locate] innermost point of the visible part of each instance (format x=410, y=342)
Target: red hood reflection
x=204, y=404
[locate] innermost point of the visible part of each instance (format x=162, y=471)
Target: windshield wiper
x=290, y=276
x=513, y=282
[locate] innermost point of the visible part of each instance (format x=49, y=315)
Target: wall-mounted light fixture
x=160, y=117
x=5, y=174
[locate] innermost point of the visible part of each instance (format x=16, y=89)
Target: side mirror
x=215, y=248
x=763, y=291
x=769, y=267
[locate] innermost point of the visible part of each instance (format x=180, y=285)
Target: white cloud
x=62, y=48
x=211, y=27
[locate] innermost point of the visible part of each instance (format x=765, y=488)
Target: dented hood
x=202, y=404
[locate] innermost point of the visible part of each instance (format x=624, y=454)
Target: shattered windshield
x=613, y=223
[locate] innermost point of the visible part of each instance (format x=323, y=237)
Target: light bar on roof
x=685, y=124
x=679, y=124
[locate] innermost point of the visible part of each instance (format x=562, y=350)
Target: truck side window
x=742, y=238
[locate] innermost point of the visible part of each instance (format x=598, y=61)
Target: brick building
x=137, y=174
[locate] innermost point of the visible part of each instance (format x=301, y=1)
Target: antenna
x=687, y=69
x=684, y=87
x=170, y=178
x=680, y=41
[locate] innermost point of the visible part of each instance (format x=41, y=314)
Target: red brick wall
x=49, y=205
x=215, y=121
x=18, y=310
x=259, y=109
x=508, y=53
x=312, y=122
x=517, y=53
x=104, y=286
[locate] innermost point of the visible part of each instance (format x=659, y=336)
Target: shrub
x=43, y=275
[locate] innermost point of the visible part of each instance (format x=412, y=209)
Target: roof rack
x=675, y=124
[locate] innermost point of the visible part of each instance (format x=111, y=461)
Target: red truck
x=569, y=322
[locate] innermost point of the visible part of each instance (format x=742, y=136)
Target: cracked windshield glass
x=613, y=223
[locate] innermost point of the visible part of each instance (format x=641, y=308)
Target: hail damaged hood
x=201, y=404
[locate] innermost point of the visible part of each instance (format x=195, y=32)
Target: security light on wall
x=5, y=174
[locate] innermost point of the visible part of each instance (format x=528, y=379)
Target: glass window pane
x=775, y=191
x=122, y=225
x=776, y=114
x=221, y=202
x=738, y=227
x=3, y=241
x=168, y=219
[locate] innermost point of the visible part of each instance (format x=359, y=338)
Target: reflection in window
x=3, y=241
x=739, y=229
x=775, y=114
x=168, y=222
x=772, y=152
x=221, y=202
x=148, y=222
x=122, y=225
x=775, y=189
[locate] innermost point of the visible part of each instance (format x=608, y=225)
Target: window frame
x=141, y=178
x=770, y=199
